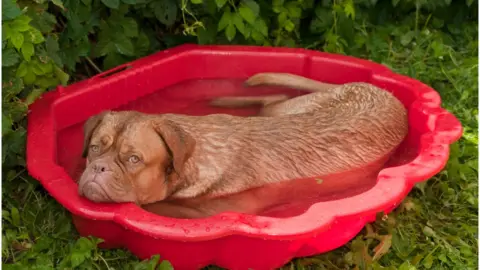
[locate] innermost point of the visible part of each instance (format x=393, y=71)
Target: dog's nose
x=99, y=167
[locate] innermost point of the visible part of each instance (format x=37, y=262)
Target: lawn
x=436, y=227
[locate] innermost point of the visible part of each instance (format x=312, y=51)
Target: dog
x=147, y=158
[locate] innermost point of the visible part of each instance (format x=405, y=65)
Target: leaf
x=111, y=3
x=166, y=11
x=469, y=3
x=58, y=3
x=349, y=9
x=225, y=20
x=6, y=124
x=40, y=68
x=207, y=34
x=289, y=26
x=196, y=2
x=257, y=36
x=406, y=266
x=130, y=27
x=261, y=27
x=14, y=211
x=22, y=70
x=253, y=6
x=395, y=2
x=62, y=76
x=383, y=247
x=34, y=36
x=130, y=2
x=428, y=261
x=27, y=50
x=220, y=3
x=112, y=60
x=124, y=45
x=21, y=24
x=17, y=40
x=142, y=44
x=10, y=57
x=407, y=38
x=230, y=32
x=33, y=95
x=30, y=77
x=165, y=265
x=239, y=24
x=247, y=14
x=10, y=10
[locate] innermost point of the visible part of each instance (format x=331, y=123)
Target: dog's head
x=132, y=157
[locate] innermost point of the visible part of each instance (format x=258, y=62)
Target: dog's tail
x=288, y=80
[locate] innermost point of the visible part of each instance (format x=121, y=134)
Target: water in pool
x=280, y=200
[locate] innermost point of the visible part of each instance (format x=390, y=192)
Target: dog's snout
x=99, y=167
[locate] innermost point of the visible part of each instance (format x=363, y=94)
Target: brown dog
x=142, y=158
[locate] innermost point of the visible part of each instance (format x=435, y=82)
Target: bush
x=50, y=42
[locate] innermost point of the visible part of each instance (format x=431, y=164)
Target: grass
x=434, y=228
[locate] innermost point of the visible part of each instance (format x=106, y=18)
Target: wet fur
x=335, y=128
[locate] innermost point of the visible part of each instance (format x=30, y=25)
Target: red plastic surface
x=229, y=240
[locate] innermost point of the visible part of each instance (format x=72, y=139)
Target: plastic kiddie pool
x=230, y=240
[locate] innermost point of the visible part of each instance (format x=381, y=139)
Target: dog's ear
x=88, y=128
x=180, y=144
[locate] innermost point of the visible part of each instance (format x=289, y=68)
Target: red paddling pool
x=183, y=80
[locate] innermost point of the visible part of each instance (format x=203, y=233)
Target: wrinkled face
x=131, y=157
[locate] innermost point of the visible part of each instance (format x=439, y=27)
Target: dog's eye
x=95, y=148
x=169, y=169
x=134, y=159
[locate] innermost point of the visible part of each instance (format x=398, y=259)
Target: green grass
x=435, y=227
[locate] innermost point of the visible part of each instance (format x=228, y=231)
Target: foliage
x=50, y=42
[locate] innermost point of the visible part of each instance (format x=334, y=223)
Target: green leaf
x=207, y=34
x=62, y=76
x=239, y=24
x=129, y=2
x=30, y=77
x=225, y=20
x=166, y=11
x=230, y=32
x=289, y=26
x=142, y=44
x=165, y=265
x=6, y=32
x=111, y=3
x=407, y=38
x=220, y=3
x=112, y=60
x=34, y=94
x=469, y=2
x=34, y=36
x=253, y=6
x=257, y=36
x=10, y=10
x=395, y=2
x=10, y=57
x=247, y=14
x=22, y=69
x=261, y=26
x=124, y=45
x=6, y=125
x=130, y=27
x=349, y=9
x=17, y=40
x=40, y=68
x=196, y=2
x=15, y=214
x=58, y=3
x=27, y=50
